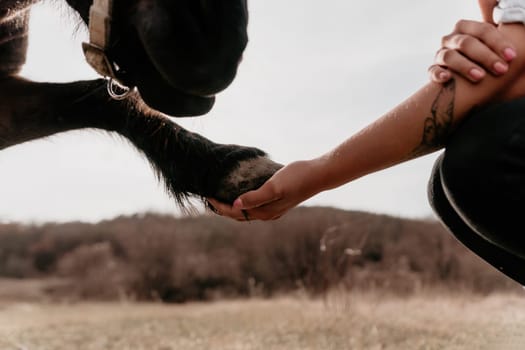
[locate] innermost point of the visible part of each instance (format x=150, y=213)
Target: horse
x=160, y=59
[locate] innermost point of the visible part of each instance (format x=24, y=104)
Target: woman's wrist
x=320, y=176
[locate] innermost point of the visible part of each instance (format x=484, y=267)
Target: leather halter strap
x=100, y=17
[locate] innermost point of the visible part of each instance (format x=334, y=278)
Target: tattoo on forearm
x=438, y=126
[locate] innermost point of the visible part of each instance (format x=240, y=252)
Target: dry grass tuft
x=341, y=321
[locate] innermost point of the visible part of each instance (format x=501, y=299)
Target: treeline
x=153, y=257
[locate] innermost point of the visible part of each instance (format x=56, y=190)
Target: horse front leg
x=187, y=163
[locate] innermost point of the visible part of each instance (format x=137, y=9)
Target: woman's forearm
x=416, y=127
x=419, y=125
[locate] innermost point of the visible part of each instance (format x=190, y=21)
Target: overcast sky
x=314, y=73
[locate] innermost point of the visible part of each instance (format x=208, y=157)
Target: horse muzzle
x=178, y=53
x=195, y=45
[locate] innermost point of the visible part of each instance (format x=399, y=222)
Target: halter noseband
x=100, y=17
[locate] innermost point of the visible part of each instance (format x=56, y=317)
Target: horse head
x=178, y=53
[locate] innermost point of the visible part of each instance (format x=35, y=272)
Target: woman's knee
x=485, y=158
x=483, y=172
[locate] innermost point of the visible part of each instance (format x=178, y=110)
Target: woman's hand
x=287, y=188
x=472, y=50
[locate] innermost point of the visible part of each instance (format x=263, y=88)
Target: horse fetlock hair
x=187, y=163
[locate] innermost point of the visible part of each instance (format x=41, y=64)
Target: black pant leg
x=478, y=186
x=511, y=265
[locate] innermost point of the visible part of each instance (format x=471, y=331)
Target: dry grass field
x=431, y=321
x=51, y=275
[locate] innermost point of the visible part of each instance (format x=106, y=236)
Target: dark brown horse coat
x=178, y=53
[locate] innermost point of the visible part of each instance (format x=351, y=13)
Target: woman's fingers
x=254, y=199
x=471, y=50
x=486, y=33
x=439, y=74
x=223, y=209
x=245, y=207
x=459, y=64
x=265, y=212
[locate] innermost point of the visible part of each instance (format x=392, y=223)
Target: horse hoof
x=248, y=175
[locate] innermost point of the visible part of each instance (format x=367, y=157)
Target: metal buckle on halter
x=95, y=50
x=97, y=58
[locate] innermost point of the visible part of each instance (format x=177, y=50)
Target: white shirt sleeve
x=509, y=11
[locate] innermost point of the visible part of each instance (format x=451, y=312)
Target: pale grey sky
x=314, y=73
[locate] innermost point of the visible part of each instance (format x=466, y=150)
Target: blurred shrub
x=96, y=272
x=154, y=257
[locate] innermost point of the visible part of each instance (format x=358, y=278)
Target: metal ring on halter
x=118, y=91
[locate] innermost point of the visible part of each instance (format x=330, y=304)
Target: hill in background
x=155, y=257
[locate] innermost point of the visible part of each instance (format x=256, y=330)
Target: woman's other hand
x=472, y=50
